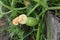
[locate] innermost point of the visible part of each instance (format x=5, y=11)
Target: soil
x=4, y=35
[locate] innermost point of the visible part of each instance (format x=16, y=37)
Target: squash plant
x=35, y=17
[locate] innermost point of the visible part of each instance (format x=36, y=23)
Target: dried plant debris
x=57, y=14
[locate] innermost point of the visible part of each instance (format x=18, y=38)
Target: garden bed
x=25, y=19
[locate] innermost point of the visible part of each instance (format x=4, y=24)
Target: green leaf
x=15, y=30
x=13, y=14
x=11, y=34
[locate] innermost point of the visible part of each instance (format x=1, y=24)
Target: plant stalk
x=53, y=8
x=43, y=11
x=33, y=9
x=2, y=4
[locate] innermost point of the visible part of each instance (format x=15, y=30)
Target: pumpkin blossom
x=22, y=19
x=15, y=21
